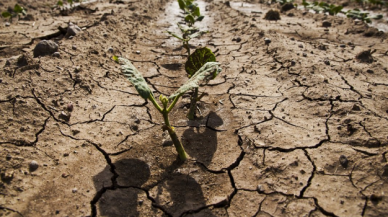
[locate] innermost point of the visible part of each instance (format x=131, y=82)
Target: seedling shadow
x=121, y=201
x=201, y=143
x=185, y=194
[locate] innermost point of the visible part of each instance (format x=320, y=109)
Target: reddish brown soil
x=267, y=142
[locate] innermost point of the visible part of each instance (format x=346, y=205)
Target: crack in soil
x=12, y=210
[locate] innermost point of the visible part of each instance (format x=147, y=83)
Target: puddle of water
x=248, y=8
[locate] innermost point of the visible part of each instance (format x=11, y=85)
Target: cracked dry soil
x=298, y=127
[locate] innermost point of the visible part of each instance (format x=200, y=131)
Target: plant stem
x=157, y=106
x=193, y=105
x=178, y=145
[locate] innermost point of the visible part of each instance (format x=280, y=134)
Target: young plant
x=191, y=11
x=203, y=75
x=323, y=7
x=194, y=62
x=17, y=10
x=357, y=14
x=188, y=33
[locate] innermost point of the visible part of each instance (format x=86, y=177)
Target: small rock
x=74, y=190
x=356, y=108
x=7, y=24
x=260, y=188
x=326, y=24
x=56, y=54
x=74, y=47
x=33, y=165
x=70, y=107
x=65, y=154
x=75, y=132
x=64, y=116
x=238, y=39
x=370, y=71
x=72, y=30
x=300, y=45
x=267, y=41
x=292, y=39
x=137, y=52
x=343, y=161
x=141, y=202
x=45, y=47
x=64, y=175
x=8, y=157
x=327, y=62
x=7, y=175
x=304, y=55
x=110, y=50
x=134, y=128
x=342, y=45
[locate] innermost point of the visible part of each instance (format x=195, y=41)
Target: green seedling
x=195, y=62
x=191, y=11
x=17, y=10
x=323, y=7
x=188, y=33
x=357, y=14
x=202, y=76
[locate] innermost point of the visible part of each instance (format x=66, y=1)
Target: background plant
x=323, y=7
x=194, y=62
x=207, y=72
x=364, y=16
x=188, y=33
x=17, y=10
x=191, y=11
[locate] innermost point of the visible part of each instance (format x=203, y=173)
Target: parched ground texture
x=296, y=127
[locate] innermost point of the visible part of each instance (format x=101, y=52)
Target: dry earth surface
x=296, y=127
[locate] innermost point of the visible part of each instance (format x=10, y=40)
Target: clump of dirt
x=287, y=6
x=365, y=56
x=272, y=15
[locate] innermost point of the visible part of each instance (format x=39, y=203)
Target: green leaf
x=206, y=73
x=176, y=36
x=377, y=17
x=197, y=59
x=115, y=58
x=189, y=19
x=197, y=34
x=6, y=14
x=185, y=28
x=196, y=11
x=18, y=9
x=200, y=18
x=182, y=4
x=60, y=3
x=135, y=77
